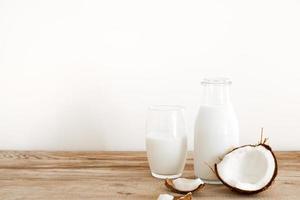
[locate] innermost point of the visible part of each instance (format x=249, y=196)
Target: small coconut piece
x=248, y=169
x=184, y=185
x=188, y=196
x=165, y=197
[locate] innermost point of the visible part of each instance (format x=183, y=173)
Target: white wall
x=80, y=74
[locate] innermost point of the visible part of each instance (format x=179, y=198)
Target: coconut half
x=188, y=196
x=184, y=185
x=248, y=169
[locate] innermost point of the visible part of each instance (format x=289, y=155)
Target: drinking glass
x=166, y=141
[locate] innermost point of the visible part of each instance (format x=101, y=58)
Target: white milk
x=166, y=156
x=216, y=132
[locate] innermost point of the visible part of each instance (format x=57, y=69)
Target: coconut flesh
x=184, y=185
x=187, y=185
x=165, y=197
x=248, y=169
x=188, y=196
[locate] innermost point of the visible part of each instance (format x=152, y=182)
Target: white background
x=79, y=75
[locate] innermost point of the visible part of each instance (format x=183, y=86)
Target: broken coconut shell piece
x=188, y=196
x=184, y=185
x=248, y=169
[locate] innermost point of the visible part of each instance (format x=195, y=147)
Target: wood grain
x=115, y=175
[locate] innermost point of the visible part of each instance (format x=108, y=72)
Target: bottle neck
x=218, y=94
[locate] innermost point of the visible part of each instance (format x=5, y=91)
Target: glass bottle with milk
x=166, y=141
x=216, y=128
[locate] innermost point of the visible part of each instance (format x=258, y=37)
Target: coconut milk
x=216, y=132
x=166, y=156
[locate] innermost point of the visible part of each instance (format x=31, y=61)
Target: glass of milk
x=216, y=128
x=166, y=141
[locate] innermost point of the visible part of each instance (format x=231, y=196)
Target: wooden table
x=115, y=175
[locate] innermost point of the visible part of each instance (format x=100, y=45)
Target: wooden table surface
x=115, y=175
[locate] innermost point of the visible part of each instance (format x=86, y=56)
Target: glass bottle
x=216, y=128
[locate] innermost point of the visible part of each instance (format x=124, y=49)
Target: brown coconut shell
x=188, y=196
x=246, y=192
x=169, y=184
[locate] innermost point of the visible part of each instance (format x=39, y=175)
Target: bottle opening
x=216, y=81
